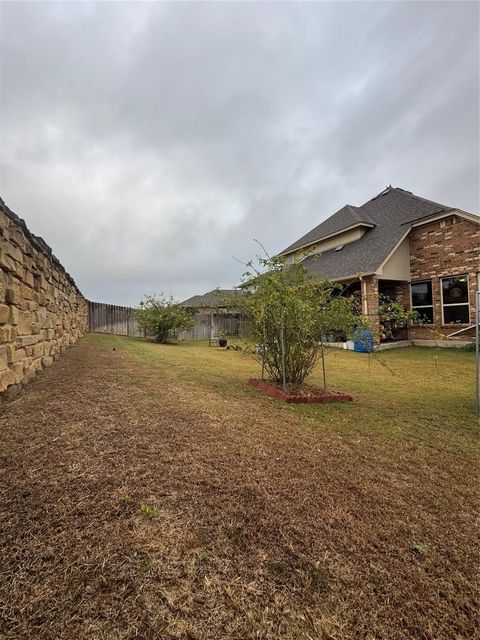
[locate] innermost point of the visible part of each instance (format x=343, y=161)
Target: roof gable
x=389, y=216
x=345, y=218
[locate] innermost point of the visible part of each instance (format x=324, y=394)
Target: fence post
x=282, y=343
x=477, y=350
x=323, y=362
x=263, y=350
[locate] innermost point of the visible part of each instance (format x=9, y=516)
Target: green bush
x=289, y=310
x=162, y=317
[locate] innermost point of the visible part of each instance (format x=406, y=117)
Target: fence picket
x=118, y=320
x=110, y=318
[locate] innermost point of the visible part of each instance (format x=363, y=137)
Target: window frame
x=423, y=306
x=455, y=304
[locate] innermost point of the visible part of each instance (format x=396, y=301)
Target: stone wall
x=42, y=311
x=445, y=248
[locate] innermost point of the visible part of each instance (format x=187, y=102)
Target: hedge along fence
x=120, y=321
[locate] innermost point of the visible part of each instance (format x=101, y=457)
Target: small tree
x=162, y=317
x=289, y=310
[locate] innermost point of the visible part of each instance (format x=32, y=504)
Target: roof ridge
x=437, y=204
x=410, y=193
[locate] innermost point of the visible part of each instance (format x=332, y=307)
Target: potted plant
x=222, y=338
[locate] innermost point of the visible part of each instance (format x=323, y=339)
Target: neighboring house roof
x=389, y=215
x=212, y=298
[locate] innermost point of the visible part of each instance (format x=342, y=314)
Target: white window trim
x=423, y=306
x=454, y=304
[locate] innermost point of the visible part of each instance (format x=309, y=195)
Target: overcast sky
x=149, y=143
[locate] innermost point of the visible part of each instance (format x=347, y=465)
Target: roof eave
x=356, y=276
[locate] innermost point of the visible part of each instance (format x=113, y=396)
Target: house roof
x=389, y=216
x=345, y=218
x=212, y=298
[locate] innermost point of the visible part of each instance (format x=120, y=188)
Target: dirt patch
x=134, y=508
x=299, y=394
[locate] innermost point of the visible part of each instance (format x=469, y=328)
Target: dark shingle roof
x=347, y=216
x=214, y=298
x=390, y=212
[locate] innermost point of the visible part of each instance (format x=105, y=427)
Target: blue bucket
x=363, y=340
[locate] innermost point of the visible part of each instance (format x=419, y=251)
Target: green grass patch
x=424, y=395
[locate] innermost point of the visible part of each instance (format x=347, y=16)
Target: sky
x=149, y=144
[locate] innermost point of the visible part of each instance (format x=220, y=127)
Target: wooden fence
x=207, y=326
x=111, y=318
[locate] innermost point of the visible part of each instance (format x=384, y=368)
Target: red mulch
x=302, y=394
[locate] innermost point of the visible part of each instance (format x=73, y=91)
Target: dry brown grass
x=135, y=507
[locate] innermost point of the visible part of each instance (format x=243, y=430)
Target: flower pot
x=222, y=342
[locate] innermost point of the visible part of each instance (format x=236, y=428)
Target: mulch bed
x=303, y=394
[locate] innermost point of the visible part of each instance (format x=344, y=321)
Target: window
x=455, y=300
x=422, y=300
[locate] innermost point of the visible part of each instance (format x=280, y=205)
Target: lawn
x=152, y=494
x=420, y=394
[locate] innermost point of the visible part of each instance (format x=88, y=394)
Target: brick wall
x=42, y=311
x=445, y=248
x=370, y=302
x=402, y=293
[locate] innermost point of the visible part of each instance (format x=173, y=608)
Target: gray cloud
x=148, y=143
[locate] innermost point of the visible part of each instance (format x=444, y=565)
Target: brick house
x=421, y=253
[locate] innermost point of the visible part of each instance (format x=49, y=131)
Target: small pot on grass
x=222, y=339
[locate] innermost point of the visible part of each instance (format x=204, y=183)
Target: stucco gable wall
x=397, y=267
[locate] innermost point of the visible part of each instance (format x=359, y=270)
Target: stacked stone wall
x=42, y=311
